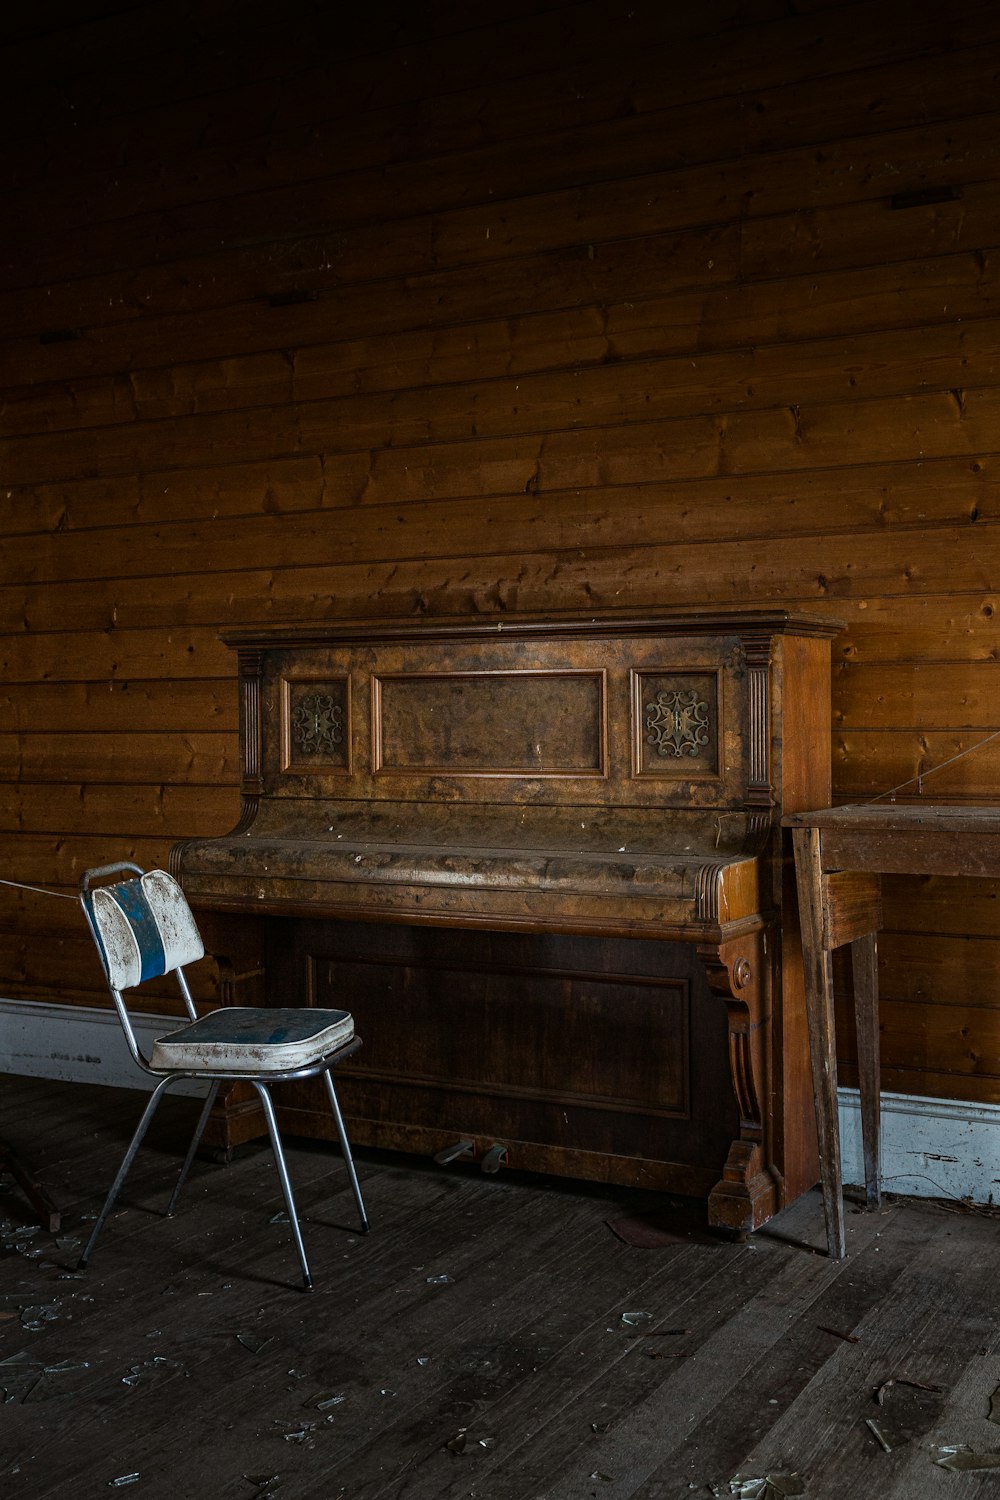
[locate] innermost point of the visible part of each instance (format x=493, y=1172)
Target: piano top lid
x=719, y=620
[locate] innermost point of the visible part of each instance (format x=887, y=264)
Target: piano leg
x=747, y=1194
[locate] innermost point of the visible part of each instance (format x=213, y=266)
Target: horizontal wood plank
x=112, y=811
x=939, y=904
x=958, y=626
x=953, y=1043
x=119, y=706
x=866, y=765
x=815, y=571
x=224, y=290
x=100, y=652
x=924, y=697
x=443, y=445
x=152, y=757
x=449, y=389
x=597, y=311
x=825, y=109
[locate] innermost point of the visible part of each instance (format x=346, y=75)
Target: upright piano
x=541, y=862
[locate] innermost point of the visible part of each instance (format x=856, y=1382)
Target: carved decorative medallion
x=317, y=725
x=677, y=723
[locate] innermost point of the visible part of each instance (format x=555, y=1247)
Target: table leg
x=865, y=965
x=818, y=969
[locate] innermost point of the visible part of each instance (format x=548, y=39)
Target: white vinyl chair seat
x=240, y=1039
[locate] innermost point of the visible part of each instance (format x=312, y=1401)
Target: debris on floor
x=888, y=1436
x=849, y=1338
x=959, y=1458
x=909, y=1409
x=772, y=1486
x=256, y=1343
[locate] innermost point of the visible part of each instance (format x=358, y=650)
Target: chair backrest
x=143, y=927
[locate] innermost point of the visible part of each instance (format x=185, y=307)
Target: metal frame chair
x=143, y=927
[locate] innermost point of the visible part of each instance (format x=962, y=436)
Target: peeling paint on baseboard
x=77, y=1044
x=931, y=1148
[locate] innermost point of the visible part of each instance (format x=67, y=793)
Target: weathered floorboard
x=523, y=1349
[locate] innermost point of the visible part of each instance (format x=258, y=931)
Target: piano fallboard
x=676, y=876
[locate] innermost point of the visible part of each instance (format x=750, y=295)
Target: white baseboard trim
x=78, y=1044
x=931, y=1148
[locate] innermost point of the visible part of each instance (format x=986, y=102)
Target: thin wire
x=922, y=775
x=19, y=886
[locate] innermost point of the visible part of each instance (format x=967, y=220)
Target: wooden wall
x=518, y=306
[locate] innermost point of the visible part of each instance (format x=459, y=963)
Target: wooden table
x=840, y=854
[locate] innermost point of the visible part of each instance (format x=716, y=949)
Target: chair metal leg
x=199, y=1131
x=123, y=1170
x=286, y=1182
x=346, y=1149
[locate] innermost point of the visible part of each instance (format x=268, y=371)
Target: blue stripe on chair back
x=143, y=928
x=132, y=899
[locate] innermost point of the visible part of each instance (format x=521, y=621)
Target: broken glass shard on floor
x=958, y=1458
x=762, y=1487
x=66, y=1378
x=26, y=1379
x=888, y=1436
x=151, y=1369
x=636, y=1319
x=255, y=1342
x=35, y=1318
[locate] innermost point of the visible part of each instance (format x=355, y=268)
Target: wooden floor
x=482, y=1314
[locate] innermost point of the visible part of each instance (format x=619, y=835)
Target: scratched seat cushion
x=245, y=1039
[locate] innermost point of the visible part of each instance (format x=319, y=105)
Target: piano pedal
x=460, y=1151
x=496, y=1157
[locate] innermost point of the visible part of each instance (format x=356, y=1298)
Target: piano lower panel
x=585, y=1057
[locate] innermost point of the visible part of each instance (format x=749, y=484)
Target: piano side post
x=750, y=1189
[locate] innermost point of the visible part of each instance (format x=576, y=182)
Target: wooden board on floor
x=186, y=1355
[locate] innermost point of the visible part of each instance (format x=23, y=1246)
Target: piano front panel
x=560, y=1048
x=637, y=722
x=528, y=723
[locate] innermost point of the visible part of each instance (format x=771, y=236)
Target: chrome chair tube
x=286, y=1182
x=123, y=1170
x=199, y=1131
x=345, y=1147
